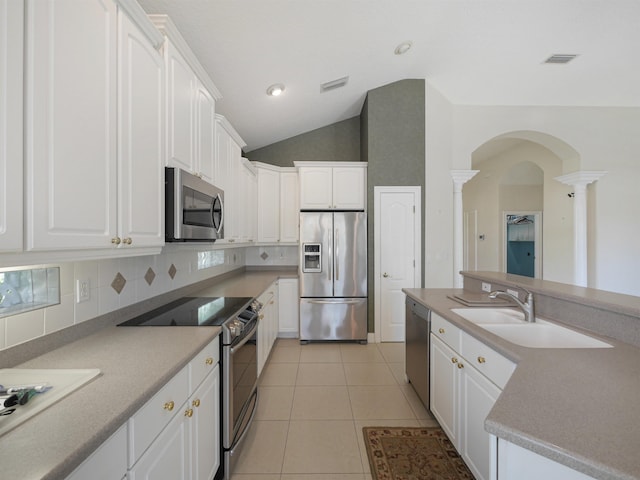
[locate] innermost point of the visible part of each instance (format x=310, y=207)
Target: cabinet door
x=11, y=135
x=168, y=457
x=206, y=115
x=140, y=138
x=251, y=199
x=205, y=427
x=444, y=387
x=288, y=307
x=349, y=188
x=477, y=447
x=181, y=117
x=268, y=205
x=316, y=188
x=70, y=123
x=289, y=211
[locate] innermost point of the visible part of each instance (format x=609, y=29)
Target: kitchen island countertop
x=574, y=406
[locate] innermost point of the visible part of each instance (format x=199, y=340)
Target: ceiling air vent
x=333, y=84
x=560, y=58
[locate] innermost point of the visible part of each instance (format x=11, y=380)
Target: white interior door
x=397, y=229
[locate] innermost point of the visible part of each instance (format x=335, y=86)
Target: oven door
x=240, y=389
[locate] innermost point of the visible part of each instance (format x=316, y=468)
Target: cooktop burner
x=191, y=312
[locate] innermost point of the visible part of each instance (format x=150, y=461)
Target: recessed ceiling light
x=560, y=58
x=275, y=90
x=403, y=48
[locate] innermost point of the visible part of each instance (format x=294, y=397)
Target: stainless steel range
x=238, y=318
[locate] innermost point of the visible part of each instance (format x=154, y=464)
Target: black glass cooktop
x=191, y=312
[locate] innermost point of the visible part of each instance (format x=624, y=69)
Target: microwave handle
x=217, y=198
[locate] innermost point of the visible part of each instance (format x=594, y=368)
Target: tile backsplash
x=111, y=284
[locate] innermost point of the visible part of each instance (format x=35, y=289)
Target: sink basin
x=543, y=334
x=62, y=382
x=510, y=325
x=482, y=315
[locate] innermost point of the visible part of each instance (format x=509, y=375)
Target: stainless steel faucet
x=526, y=306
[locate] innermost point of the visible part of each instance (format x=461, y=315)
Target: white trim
x=169, y=29
x=138, y=16
x=298, y=164
x=221, y=119
x=377, y=190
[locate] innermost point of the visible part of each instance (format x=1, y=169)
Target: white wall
x=605, y=139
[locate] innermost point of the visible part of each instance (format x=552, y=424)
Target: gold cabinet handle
x=261, y=316
x=460, y=365
x=116, y=240
x=441, y=330
x=196, y=403
x=454, y=360
x=385, y=275
x=481, y=360
x=188, y=413
x=127, y=241
x=209, y=361
x=169, y=405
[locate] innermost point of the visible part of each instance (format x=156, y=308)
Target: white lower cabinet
x=288, y=308
x=517, y=463
x=268, y=324
x=174, y=436
x=466, y=380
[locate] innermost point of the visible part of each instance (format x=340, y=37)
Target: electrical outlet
x=83, y=290
x=513, y=292
x=486, y=287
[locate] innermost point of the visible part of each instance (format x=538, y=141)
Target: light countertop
x=574, y=406
x=135, y=362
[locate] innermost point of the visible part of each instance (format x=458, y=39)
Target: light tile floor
x=314, y=401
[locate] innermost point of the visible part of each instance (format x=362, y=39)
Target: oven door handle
x=249, y=422
x=244, y=340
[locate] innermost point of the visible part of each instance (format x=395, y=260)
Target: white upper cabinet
x=94, y=128
x=70, y=121
x=191, y=98
x=268, y=203
x=332, y=185
x=289, y=200
x=11, y=160
x=181, y=111
x=140, y=138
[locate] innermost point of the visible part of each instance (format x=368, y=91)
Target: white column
x=460, y=177
x=579, y=181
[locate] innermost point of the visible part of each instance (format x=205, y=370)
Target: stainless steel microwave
x=194, y=209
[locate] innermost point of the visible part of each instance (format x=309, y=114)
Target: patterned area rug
x=403, y=453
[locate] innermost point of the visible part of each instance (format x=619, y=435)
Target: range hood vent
x=560, y=58
x=333, y=84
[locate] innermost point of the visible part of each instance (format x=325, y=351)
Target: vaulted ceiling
x=475, y=52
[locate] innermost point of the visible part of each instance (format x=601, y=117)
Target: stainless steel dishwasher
x=417, y=328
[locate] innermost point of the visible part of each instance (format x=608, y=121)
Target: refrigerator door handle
x=335, y=259
x=331, y=302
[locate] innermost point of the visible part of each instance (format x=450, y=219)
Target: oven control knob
x=256, y=306
x=236, y=327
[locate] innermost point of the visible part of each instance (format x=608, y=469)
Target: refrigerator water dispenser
x=312, y=262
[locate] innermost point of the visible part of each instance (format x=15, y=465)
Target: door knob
x=385, y=274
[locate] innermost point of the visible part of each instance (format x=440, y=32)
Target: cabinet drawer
x=204, y=362
x=490, y=363
x=148, y=422
x=445, y=331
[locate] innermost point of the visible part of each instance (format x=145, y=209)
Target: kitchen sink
x=483, y=315
x=509, y=324
x=62, y=383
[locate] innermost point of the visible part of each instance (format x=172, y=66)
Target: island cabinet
x=466, y=380
x=93, y=127
x=11, y=160
x=174, y=436
x=332, y=185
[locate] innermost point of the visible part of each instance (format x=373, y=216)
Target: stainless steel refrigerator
x=333, y=276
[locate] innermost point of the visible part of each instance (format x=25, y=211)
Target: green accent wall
x=336, y=142
x=392, y=126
